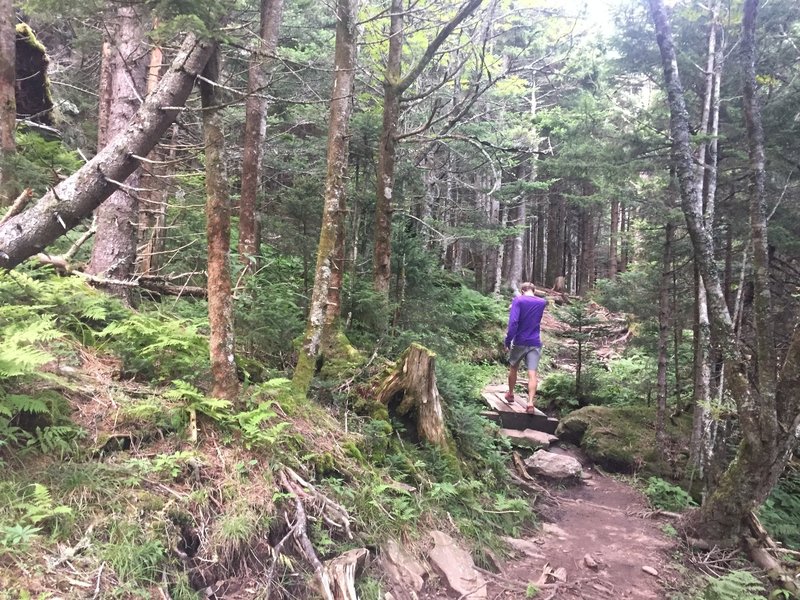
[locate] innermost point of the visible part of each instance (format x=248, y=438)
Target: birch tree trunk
x=225, y=383
x=322, y=315
x=114, y=250
x=255, y=130
x=8, y=105
x=72, y=200
x=769, y=411
x=701, y=444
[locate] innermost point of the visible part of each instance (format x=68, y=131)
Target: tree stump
x=415, y=377
x=340, y=574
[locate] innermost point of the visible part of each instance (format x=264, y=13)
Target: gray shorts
x=531, y=354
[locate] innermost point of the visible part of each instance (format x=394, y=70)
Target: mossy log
x=415, y=378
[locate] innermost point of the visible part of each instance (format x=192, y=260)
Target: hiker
x=523, y=341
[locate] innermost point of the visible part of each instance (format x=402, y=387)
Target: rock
x=621, y=438
x=590, y=562
x=456, y=566
x=560, y=574
x=555, y=530
x=554, y=466
x=650, y=570
x=529, y=438
x=586, y=475
x=402, y=568
x=526, y=547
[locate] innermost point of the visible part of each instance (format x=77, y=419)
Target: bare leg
x=512, y=381
x=532, y=381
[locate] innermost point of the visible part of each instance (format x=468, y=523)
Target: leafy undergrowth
x=104, y=493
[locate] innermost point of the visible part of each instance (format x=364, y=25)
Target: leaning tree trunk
x=766, y=446
x=114, y=251
x=415, y=378
x=255, y=131
x=225, y=383
x=72, y=200
x=322, y=315
x=8, y=106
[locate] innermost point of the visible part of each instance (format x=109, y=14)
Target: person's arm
x=513, y=323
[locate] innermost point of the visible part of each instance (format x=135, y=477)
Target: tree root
x=759, y=548
x=335, y=578
x=332, y=513
x=523, y=478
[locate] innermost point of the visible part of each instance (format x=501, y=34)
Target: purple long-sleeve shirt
x=524, y=319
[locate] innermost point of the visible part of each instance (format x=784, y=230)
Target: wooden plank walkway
x=513, y=415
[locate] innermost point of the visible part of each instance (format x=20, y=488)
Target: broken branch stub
x=415, y=377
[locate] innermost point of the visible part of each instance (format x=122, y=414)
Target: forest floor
x=597, y=541
x=599, y=532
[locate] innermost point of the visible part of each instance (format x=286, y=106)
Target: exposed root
x=331, y=512
x=759, y=549
x=523, y=478
x=335, y=578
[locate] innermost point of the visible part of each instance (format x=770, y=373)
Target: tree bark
x=415, y=378
x=225, y=383
x=393, y=89
x=324, y=309
x=63, y=207
x=663, y=335
x=762, y=304
x=768, y=421
x=153, y=197
x=114, y=250
x=255, y=130
x=8, y=105
x=613, y=238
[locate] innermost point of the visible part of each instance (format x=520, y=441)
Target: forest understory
x=256, y=260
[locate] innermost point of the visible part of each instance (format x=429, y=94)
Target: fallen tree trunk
x=66, y=205
x=415, y=378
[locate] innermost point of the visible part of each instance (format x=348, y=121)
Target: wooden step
x=514, y=415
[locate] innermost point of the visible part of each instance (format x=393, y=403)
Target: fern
x=781, y=511
x=736, y=585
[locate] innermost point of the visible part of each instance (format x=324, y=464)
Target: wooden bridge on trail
x=513, y=415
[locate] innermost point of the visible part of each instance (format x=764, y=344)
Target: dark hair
x=527, y=286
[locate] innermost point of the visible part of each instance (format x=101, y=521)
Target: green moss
x=340, y=357
x=352, y=450
x=622, y=439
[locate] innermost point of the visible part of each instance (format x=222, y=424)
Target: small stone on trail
x=560, y=574
x=650, y=571
x=586, y=475
x=590, y=562
x=555, y=466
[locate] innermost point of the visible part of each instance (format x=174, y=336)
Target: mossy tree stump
x=415, y=377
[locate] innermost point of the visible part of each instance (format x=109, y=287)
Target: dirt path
x=601, y=517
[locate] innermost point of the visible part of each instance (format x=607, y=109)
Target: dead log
x=415, y=378
x=66, y=205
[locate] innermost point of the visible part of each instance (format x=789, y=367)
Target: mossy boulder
x=622, y=439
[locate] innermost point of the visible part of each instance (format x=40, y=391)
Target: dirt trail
x=604, y=518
